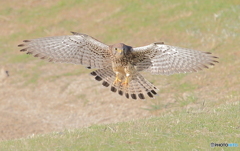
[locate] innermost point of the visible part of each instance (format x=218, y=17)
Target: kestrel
x=118, y=65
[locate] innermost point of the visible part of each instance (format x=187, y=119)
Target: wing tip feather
x=26, y=40
x=160, y=43
x=76, y=33
x=21, y=45
x=22, y=50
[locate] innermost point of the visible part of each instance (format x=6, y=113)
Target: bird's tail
x=138, y=86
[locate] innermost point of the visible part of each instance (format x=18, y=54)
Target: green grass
x=21, y=58
x=186, y=100
x=181, y=130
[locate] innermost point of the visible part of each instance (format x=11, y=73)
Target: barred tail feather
x=138, y=87
x=105, y=74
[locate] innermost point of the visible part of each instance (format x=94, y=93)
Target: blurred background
x=38, y=97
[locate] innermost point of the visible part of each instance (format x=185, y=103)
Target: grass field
x=182, y=130
x=190, y=112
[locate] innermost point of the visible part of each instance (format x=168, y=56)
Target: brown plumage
x=118, y=65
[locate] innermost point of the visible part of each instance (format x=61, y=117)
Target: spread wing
x=76, y=49
x=164, y=59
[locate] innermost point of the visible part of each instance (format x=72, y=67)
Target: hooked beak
x=120, y=51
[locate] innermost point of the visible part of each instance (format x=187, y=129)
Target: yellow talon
x=117, y=80
x=125, y=83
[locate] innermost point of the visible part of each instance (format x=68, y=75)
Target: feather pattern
x=118, y=65
x=76, y=49
x=138, y=87
x=167, y=60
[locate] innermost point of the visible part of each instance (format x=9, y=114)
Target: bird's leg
x=129, y=70
x=117, y=78
x=125, y=83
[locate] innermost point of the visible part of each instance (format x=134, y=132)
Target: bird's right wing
x=76, y=49
x=164, y=59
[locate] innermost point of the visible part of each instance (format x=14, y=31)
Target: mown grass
x=181, y=130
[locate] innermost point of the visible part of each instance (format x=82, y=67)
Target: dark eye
x=115, y=48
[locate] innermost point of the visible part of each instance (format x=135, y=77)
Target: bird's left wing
x=77, y=49
x=164, y=59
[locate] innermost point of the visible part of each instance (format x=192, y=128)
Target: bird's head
x=120, y=49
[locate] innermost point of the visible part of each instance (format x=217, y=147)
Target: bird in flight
x=119, y=65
